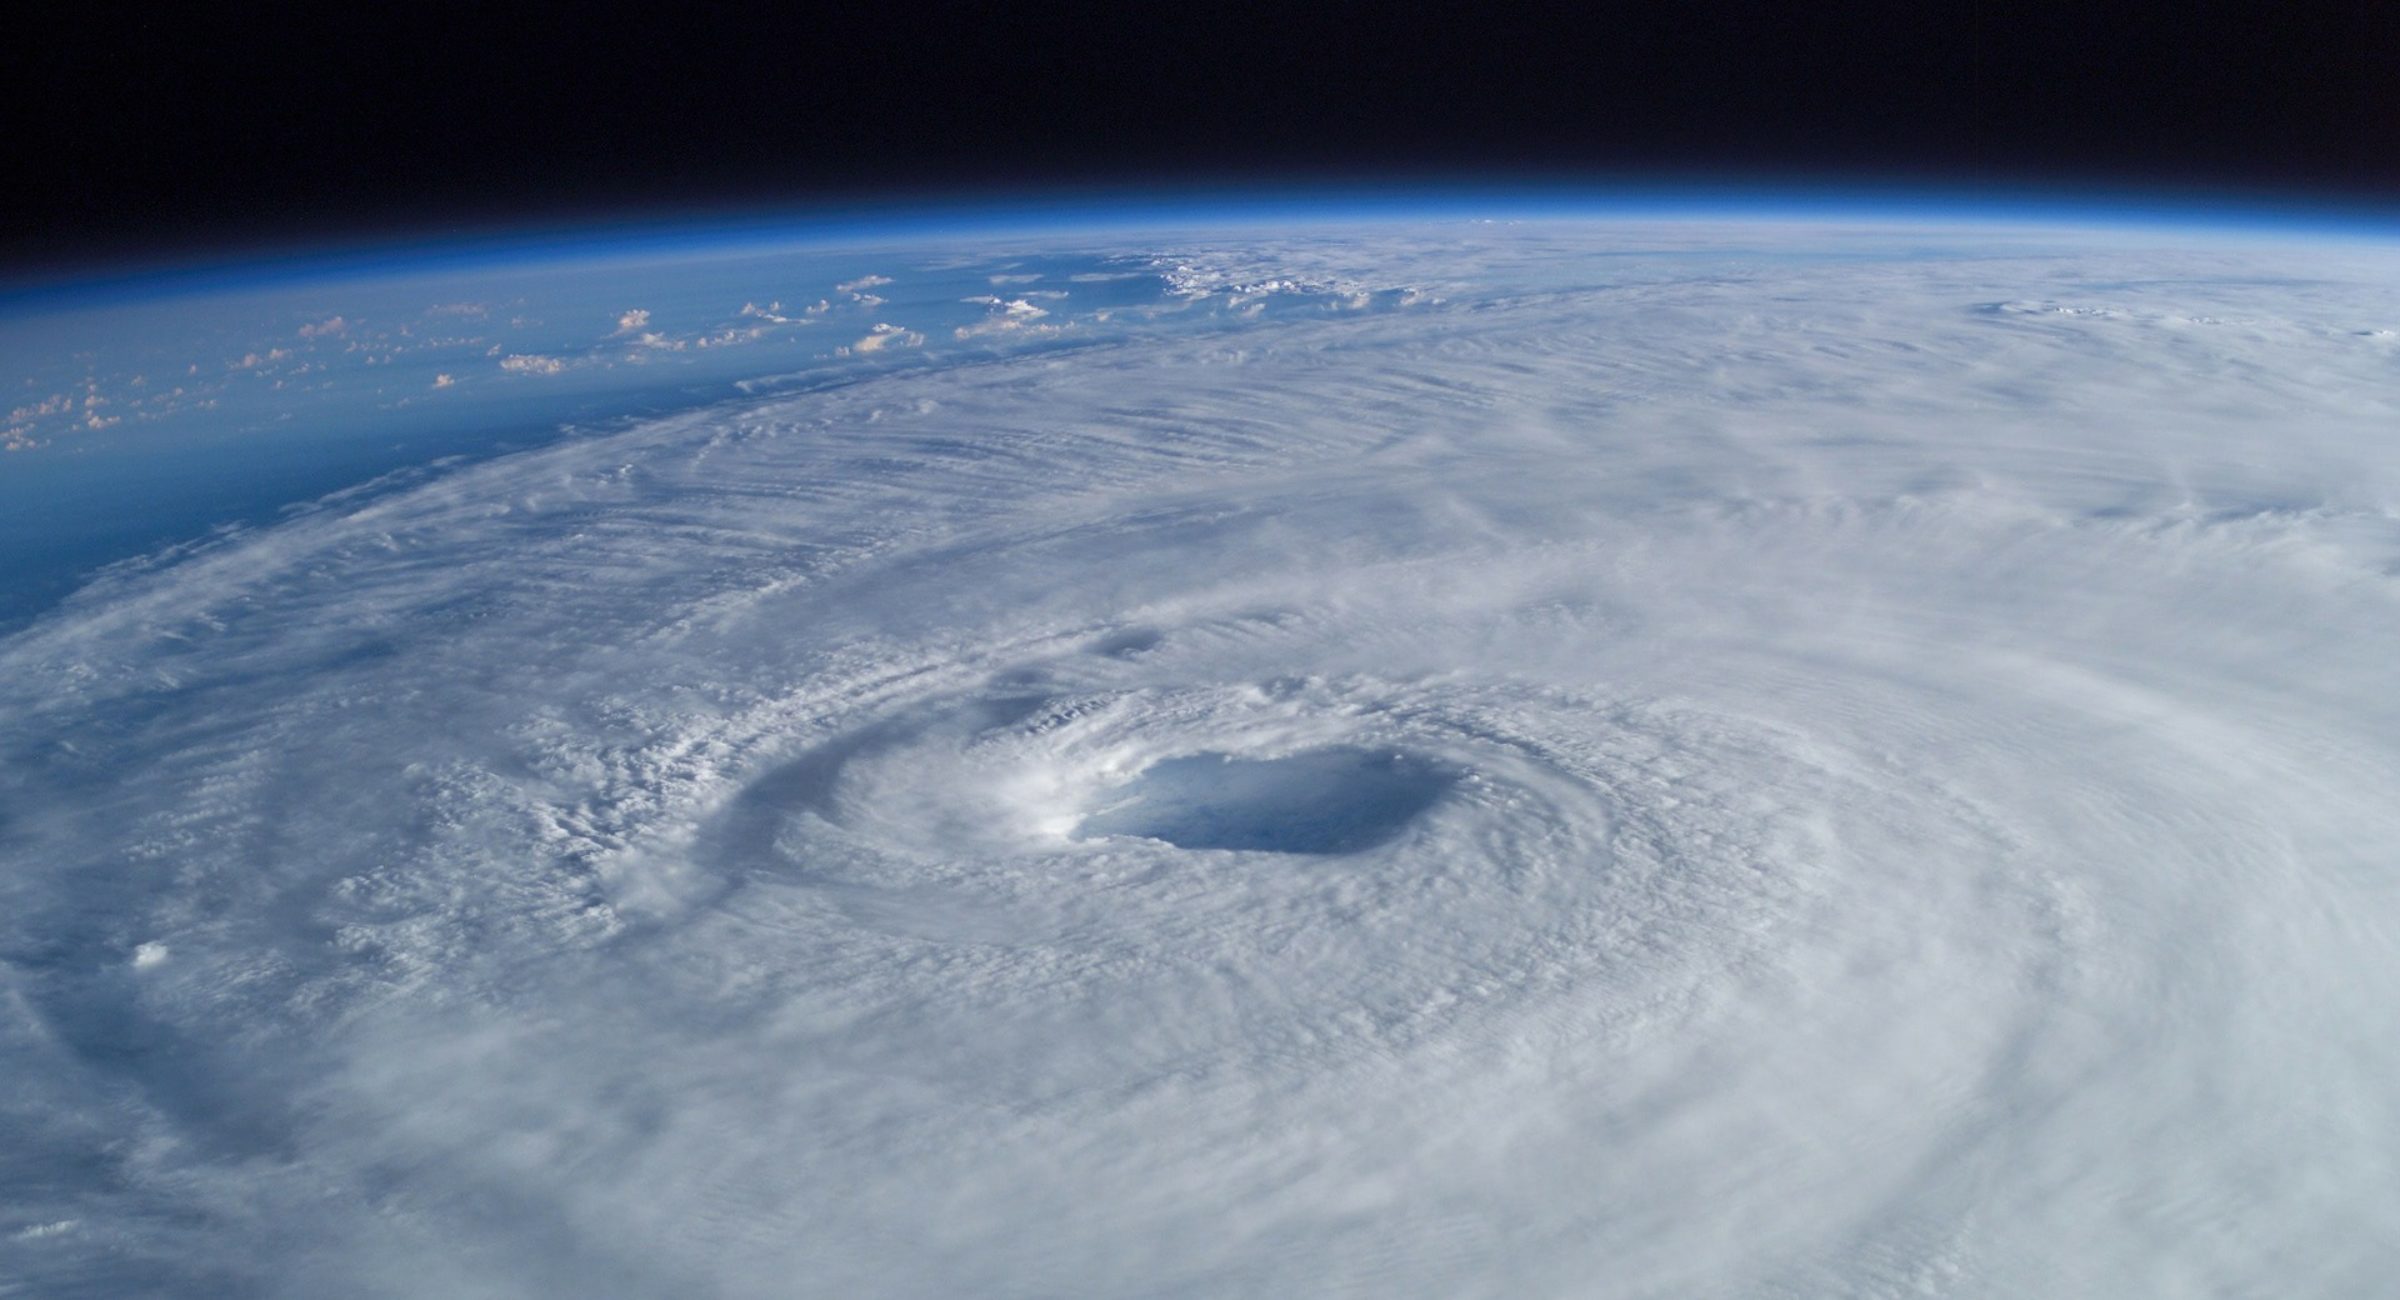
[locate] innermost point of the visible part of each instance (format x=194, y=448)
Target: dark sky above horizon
x=145, y=133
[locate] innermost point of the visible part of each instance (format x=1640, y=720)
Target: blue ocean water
x=140, y=420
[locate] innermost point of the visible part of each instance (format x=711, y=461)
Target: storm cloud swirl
x=1840, y=764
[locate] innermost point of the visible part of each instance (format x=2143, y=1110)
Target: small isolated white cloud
x=820, y=309
x=459, y=309
x=1020, y=278
x=883, y=336
x=149, y=955
x=444, y=380
x=633, y=320
x=331, y=325
x=863, y=282
x=1008, y=316
x=530, y=364
x=255, y=360
x=734, y=335
x=55, y=404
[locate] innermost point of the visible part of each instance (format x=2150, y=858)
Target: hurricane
x=1592, y=757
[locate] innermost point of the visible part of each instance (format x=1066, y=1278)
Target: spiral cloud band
x=1804, y=762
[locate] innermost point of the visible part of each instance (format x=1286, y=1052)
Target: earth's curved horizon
x=1682, y=751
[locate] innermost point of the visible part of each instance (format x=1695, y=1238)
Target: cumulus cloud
x=1005, y=316
x=862, y=283
x=884, y=335
x=54, y=404
x=532, y=364
x=261, y=360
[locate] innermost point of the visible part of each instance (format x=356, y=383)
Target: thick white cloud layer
x=1822, y=765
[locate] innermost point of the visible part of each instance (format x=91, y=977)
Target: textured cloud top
x=1544, y=760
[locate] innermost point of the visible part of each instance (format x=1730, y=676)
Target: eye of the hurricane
x=1336, y=800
